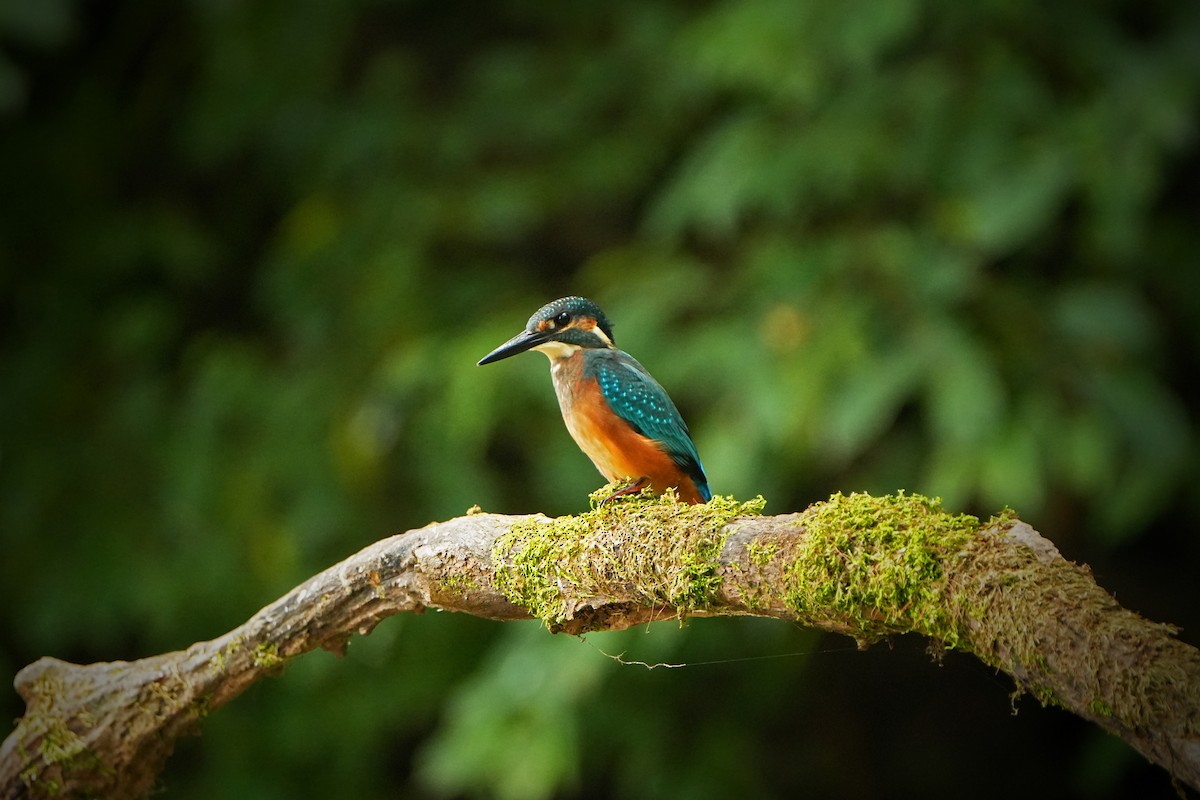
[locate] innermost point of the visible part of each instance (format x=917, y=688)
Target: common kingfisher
x=618, y=415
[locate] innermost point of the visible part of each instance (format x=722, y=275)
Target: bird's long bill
x=518, y=344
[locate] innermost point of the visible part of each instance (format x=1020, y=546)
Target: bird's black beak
x=523, y=341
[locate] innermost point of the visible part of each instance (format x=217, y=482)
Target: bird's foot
x=633, y=488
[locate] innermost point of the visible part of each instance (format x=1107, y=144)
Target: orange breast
x=617, y=450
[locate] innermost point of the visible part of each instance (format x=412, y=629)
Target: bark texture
x=862, y=566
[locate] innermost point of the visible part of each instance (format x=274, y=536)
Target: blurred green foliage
x=251, y=251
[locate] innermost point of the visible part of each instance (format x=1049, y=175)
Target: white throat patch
x=557, y=350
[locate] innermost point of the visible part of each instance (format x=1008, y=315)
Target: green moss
x=458, y=584
x=267, y=655
x=1003, y=518
x=1027, y=596
x=61, y=750
x=663, y=552
x=63, y=747
x=761, y=553
x=220, y=659
x=1045, y=695
x=202, y=706
x=876, y=565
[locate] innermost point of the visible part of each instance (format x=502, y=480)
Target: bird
x=620, y=417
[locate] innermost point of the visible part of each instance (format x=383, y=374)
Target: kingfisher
x=616, y=412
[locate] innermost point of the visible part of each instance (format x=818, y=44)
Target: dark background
x=251, y=252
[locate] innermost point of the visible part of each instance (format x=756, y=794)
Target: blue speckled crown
x=575, y=306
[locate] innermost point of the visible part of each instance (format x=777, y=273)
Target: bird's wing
x=639, y=400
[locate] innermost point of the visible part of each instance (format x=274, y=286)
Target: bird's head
x=559, y=330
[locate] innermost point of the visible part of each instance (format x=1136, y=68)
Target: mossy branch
x=863, y=566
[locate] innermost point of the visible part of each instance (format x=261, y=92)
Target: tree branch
x=862, y=566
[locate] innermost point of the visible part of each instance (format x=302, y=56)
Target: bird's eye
x=562, y=319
